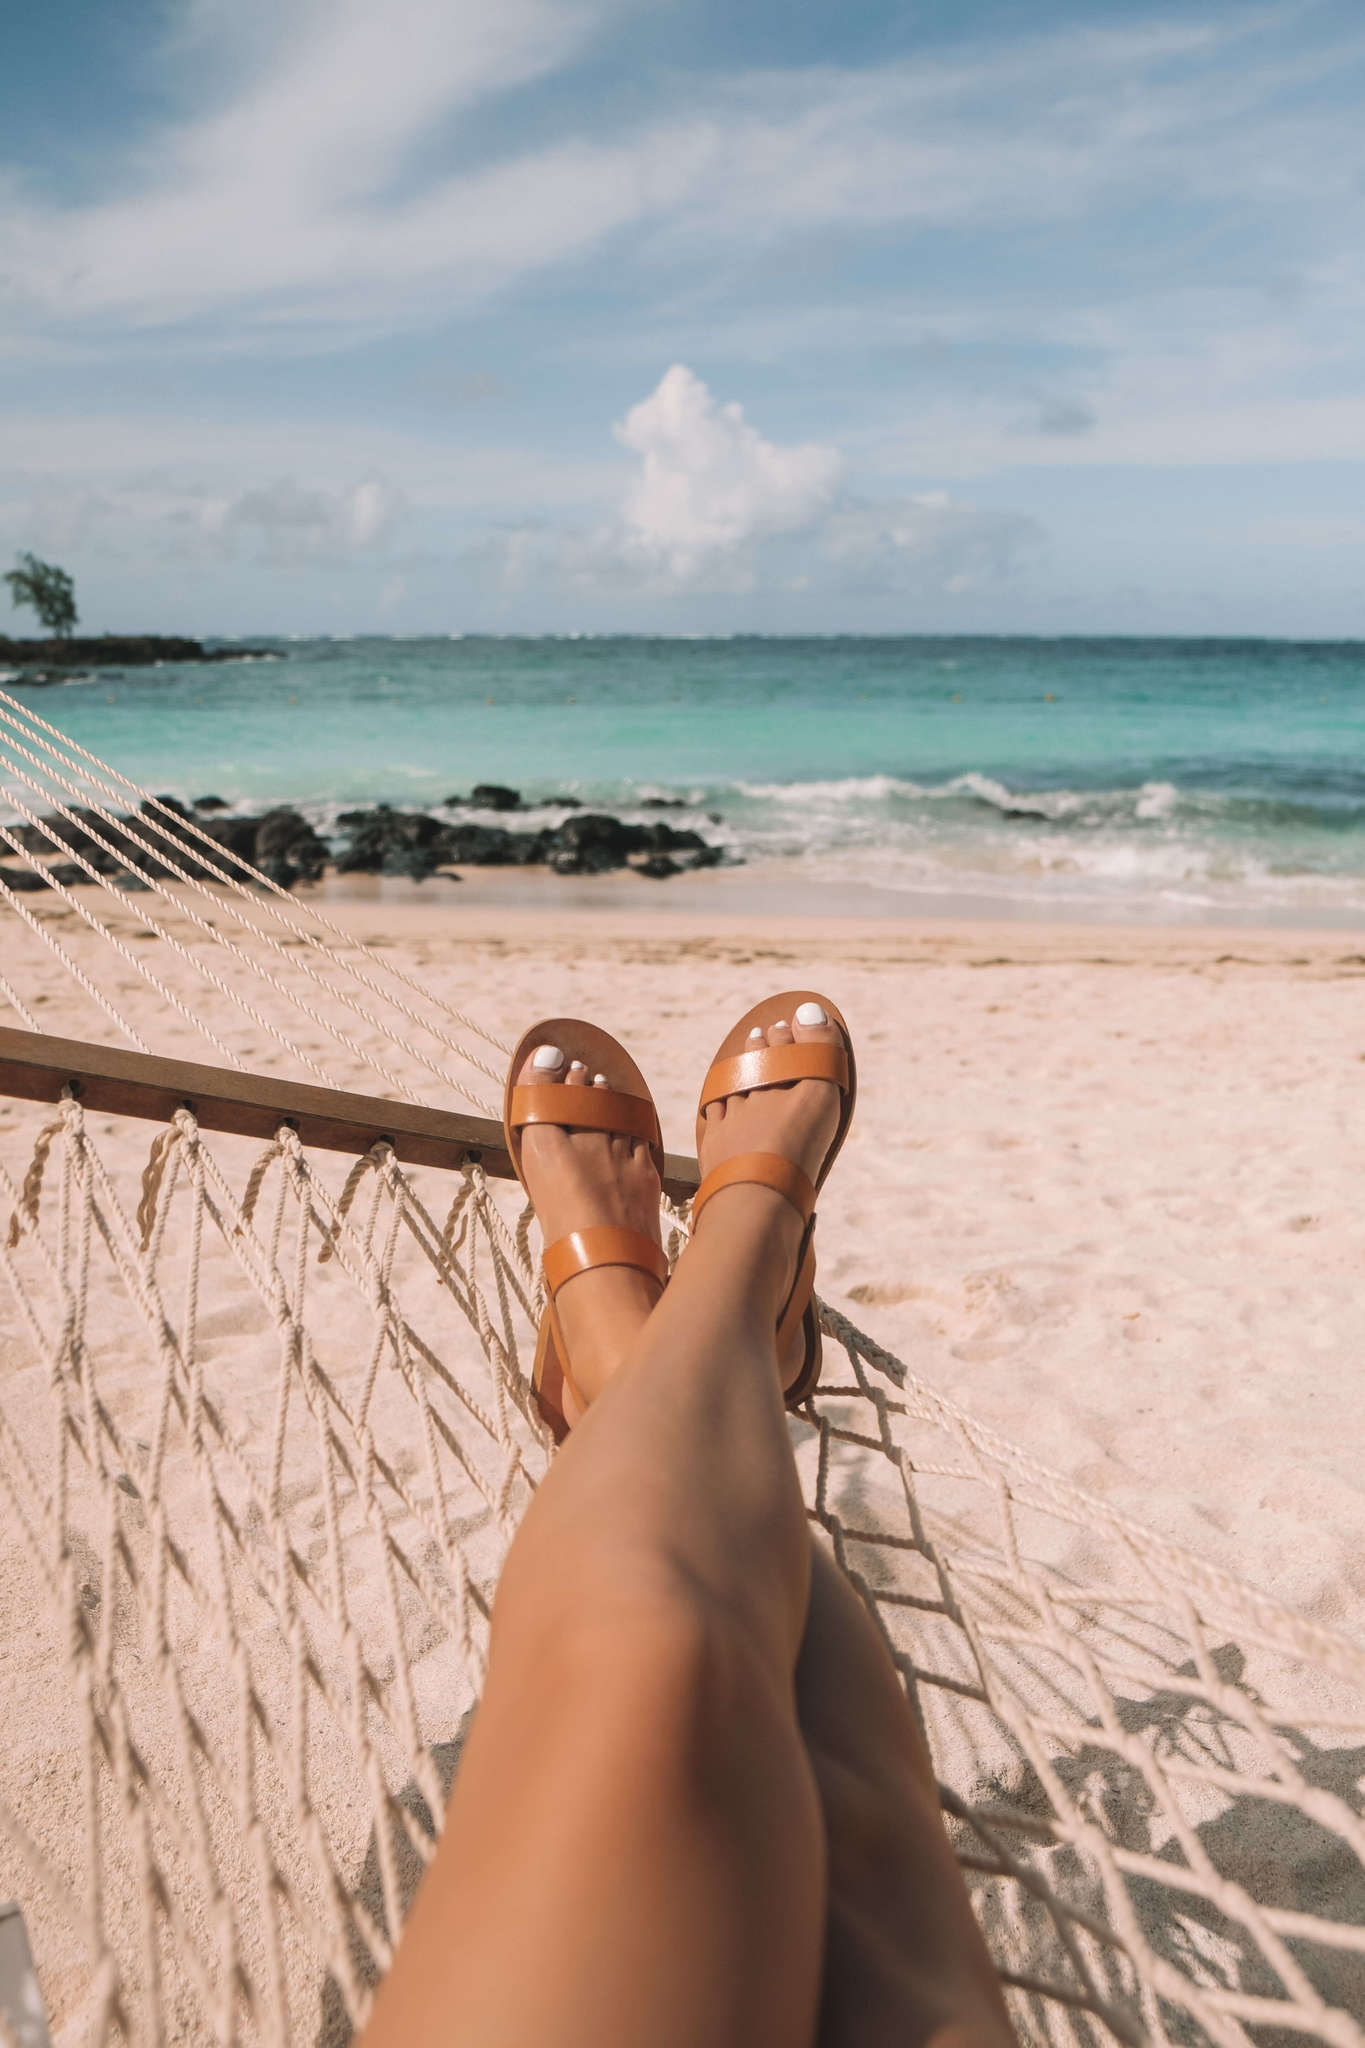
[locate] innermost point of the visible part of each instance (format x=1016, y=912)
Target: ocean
x=1159, y=779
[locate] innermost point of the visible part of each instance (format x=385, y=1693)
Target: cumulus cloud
x=710, y=495
x=709, y=486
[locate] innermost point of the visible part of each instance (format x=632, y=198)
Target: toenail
x=577, y=1067
x=757, y=1031
x=780, y=1025
x=547, y=1057
x=811, y=1015
x=599, y=1080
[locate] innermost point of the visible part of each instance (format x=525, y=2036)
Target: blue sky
x=687, y=317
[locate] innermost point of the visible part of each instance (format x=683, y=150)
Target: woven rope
x=264, y=1439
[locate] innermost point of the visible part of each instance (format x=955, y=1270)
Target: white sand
x=1102, y=1188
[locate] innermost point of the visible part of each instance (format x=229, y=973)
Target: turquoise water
x=1184, y=776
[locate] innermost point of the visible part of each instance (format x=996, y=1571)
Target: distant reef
x=51, y=661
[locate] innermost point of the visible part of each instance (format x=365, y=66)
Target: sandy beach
x=1102, y=1192
x=1103, y=1188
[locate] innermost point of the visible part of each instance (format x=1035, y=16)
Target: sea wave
x=1195, y=849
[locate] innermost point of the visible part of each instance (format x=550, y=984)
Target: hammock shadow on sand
x=1269, y=1854
x=1279, y=1856
x=334, y=2024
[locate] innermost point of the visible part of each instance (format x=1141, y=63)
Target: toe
x=780, y=1033
x=542, y=1063
x=577, y=1076
x=812, y=1023
x=600, y=1081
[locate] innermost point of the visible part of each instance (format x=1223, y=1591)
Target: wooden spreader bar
x=113, y=1082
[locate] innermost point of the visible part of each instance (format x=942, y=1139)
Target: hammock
x=265, y=1436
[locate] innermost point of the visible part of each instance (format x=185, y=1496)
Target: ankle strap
x=764, y=1170
x=603, y=1245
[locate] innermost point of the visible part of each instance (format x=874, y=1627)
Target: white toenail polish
x=811, y=1015
x=599, y=1080
x=780, y=1025
x=547, y=1057
x=757, y=1031
x=577, y=1067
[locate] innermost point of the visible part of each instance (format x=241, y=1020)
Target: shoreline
x=774, y=893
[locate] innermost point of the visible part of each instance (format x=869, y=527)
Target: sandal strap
x=584, y=1109
x=768, y=1066
x=604, y=1244
x=803, y=1287
x=764, y=1170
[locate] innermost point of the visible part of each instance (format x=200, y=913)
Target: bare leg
x=634, y=1851
x=905, y=1963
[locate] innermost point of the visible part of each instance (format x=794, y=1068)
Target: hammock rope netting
x=265, y=1436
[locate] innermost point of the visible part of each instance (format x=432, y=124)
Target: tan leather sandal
x=738, y=1067
x=624, y=1107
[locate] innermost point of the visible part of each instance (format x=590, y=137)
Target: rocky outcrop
x=380, y=840
x=51, y=661
x=281, y=843
x=496, y=796
x=385, y=841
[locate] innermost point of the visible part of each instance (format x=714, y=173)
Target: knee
x=643, y=1651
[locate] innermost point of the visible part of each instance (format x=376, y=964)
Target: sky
x=679, y=316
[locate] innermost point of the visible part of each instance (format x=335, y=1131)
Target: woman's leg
x=633, y=1852
x=905, y=1963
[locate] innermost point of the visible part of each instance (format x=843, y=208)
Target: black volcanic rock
x=45, y=661
x=494, y=796
x=210, y=803
x=235, y=835
x=491, y=846
x=287, y=849
x=593, y=843
x=388, y=842
x=379, y=840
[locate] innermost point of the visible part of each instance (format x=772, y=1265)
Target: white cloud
x=282, y=522
x=710, y=486
x=284, y=198
x=710, y=492
x=299, y=204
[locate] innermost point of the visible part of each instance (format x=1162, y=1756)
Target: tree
x=48, y=589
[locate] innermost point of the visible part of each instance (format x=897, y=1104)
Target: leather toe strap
x=768, y=1066
x=761, y=1169
x=584, y=1109
x=604, y=1244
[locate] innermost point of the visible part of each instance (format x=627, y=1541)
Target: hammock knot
x=25, y=1216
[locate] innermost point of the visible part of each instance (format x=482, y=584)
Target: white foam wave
x=848, y=789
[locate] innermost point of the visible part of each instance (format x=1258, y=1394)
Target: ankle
x=602, y=1323
x=758, y=1229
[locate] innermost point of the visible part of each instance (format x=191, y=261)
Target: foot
x=578, y=1179
x=796, y=1119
